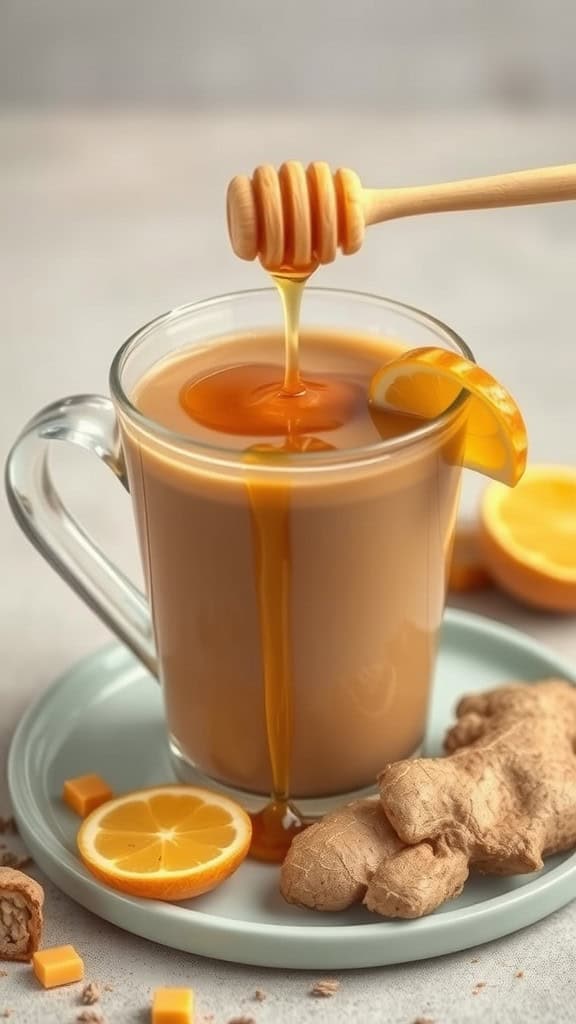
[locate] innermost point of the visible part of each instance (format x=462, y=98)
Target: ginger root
x=330, y=864
x=504, y=798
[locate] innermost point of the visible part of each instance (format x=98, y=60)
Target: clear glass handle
x=88, y=421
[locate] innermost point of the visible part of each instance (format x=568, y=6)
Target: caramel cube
x=60, y=965
x=173, y=1006
x=85, y=793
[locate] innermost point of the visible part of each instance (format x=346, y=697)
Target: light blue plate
x=105, y=716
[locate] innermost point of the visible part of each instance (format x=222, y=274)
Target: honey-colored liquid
x=290, y=287
x=275, y=826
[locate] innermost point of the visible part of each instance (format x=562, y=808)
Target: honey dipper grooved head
x=295, y=218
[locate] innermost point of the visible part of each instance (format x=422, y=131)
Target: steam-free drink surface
x=296, y=614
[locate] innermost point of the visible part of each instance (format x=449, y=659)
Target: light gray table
x=108, y=220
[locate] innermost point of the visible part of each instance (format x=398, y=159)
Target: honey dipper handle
x=520, y=188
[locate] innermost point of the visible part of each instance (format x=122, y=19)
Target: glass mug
x=370, y=536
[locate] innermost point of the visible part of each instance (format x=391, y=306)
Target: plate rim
x=49, y=850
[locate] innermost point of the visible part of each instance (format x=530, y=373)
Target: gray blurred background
x=205, y=54
x=120, y=126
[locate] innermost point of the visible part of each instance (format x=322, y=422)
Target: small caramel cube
x=173, y=1006
x=86, y=793
x=60, y=965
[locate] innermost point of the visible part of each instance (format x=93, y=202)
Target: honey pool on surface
x=230, y=395
x=297, y=687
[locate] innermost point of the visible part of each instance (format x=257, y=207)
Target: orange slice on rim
x=425, y=381
x=166, y=843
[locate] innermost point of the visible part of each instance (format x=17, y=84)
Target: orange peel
x=425, y=382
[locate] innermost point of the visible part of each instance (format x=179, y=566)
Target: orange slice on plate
x=425, y=381
x=166, y=843
x=528, y=537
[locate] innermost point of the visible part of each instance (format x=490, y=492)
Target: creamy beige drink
x=296, y=613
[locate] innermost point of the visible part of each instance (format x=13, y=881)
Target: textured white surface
x=108, y=220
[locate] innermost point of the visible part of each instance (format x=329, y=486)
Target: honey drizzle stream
x=273, y=557
x=291, y=288
x=275, y=826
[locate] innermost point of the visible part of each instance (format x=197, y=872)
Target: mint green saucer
x=105, y=716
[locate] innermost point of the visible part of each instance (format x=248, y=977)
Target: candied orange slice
x=425, y=381
x=167, y=843
x=529, y=537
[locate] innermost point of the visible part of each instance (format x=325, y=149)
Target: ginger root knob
x=503, y=798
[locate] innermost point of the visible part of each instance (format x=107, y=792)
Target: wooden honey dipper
x=298, y=217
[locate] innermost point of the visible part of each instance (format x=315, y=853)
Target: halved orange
x=425, y=382
x=528, y=537
x=166, y=843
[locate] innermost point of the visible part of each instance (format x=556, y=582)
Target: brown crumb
x=8, y=825
x=90, y=994
x=519, y=974
x=90, y=1017
x=478, y=988
x=108, y=988
x=6, y=1013
x=3, y=974
x=424, y=1020
x=241, y=1020
x=325, y=988
x=260, y=995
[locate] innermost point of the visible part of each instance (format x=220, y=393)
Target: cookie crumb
x=90, y=1017
x=90, y=994
x=519, y=974
x=260, y=995
x=424, y=1020
x=478, y=988
x=325, y=988
x=6, y=1013
x=108, y=988
x=3, y=974
x=241, y=1020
